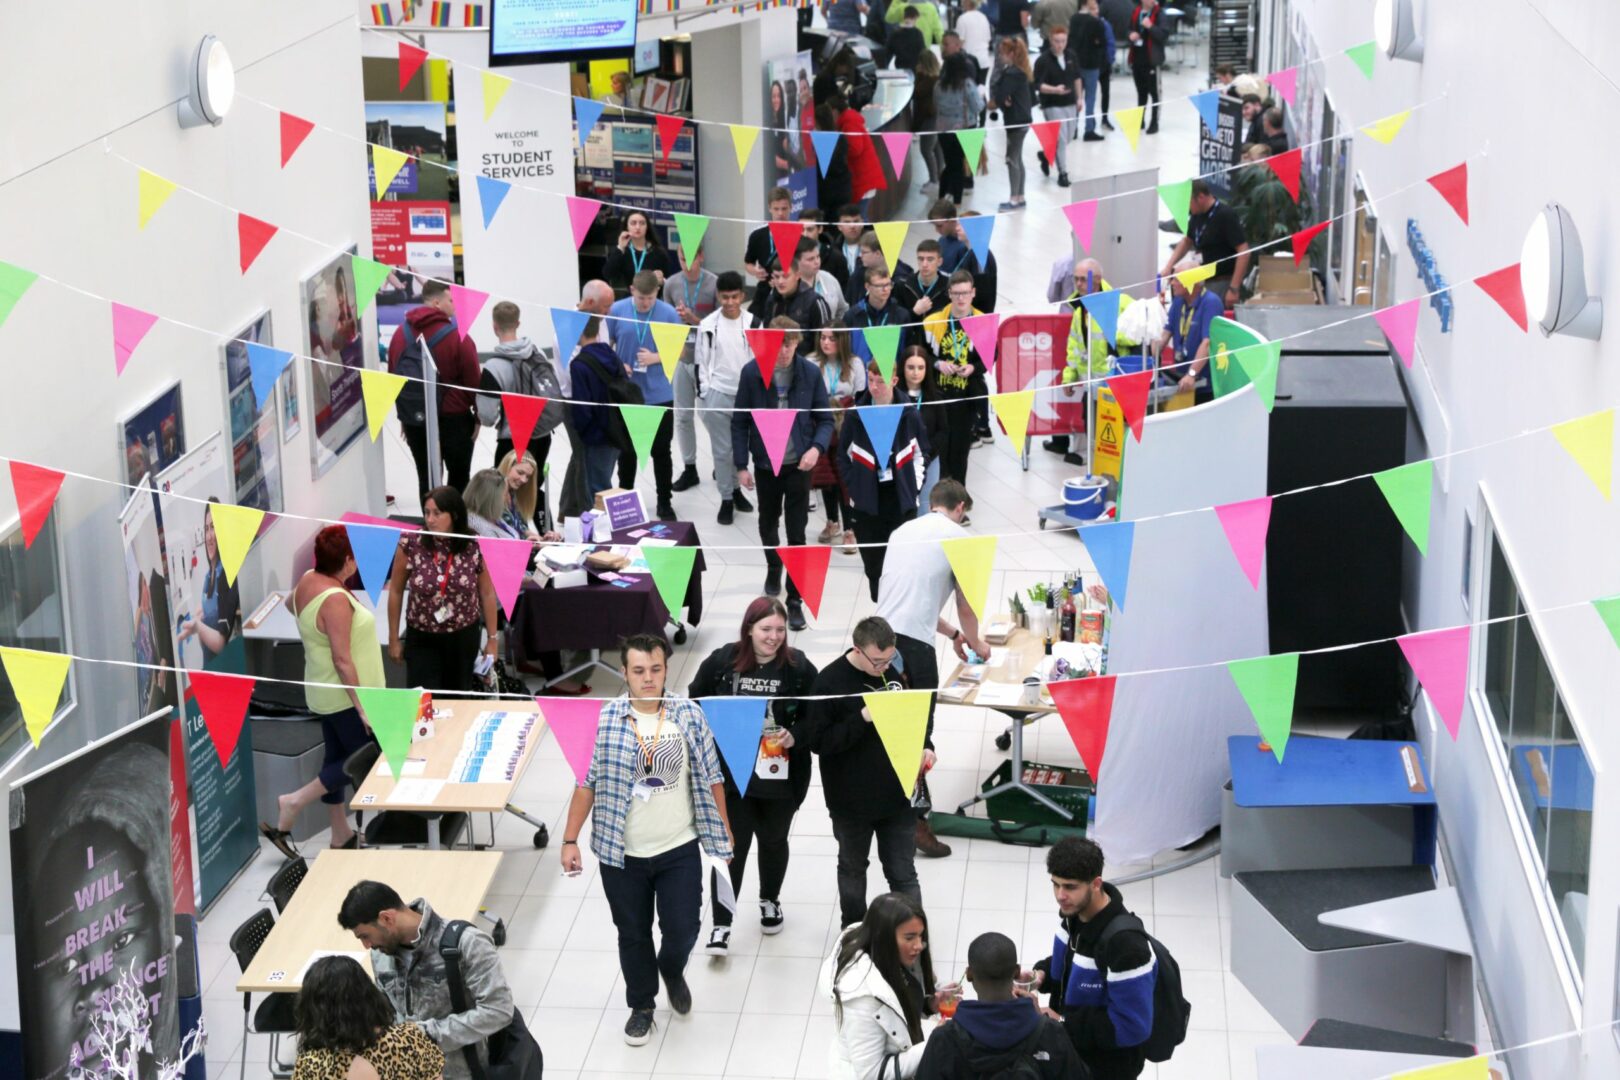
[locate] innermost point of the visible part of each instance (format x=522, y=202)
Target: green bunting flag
x=1267, y=685
x=1362, y=56
x=671, y=570
x=972, y=143
x=689, y=230
x=642, y=422
x=391, y=714
x=1407, y=490
x=883, y=342
x=1177, y=198
x=369, y=274
x=1608, y=610
x=1260, y=363
x=14, y=281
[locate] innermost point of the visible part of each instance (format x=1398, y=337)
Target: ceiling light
x=1552, y=273
x=211, y=85
x=1395, y=29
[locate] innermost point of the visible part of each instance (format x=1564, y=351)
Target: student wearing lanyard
x=1191, y=312
x=959, y=373
x=657, y=802
x=692, y=294
x=450, y=592
x=1215, y=231
x=637, y=250
x=883, y=493
x=807, y=256
x=629, y=320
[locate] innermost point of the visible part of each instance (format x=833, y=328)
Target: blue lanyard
x=639, y=259
x=686, y=291
x=641, y=326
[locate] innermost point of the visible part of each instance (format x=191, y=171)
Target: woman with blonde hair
x=522, y=475
x=1011, y=92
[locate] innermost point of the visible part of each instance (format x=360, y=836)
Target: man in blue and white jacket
x=1101, y=983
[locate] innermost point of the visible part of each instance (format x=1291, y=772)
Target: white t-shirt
x=974, y=27
x=720, y=367
x=664, y=820
x=917, y=577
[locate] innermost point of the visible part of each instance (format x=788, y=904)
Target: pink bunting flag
x=581, y=216
x=981, y=330
x=129, y=330
x=898, y=146
x=1439, y=659
x=573, y=723
x=507, y=561
x=1399, y=324
x=1082, y=219
x=1245, y=524
x=775, y=425
x=469, y=302
x=1283, y=82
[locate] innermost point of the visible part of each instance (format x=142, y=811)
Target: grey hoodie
x=519, y=368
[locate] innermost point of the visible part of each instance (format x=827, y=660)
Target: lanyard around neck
x=646, y=747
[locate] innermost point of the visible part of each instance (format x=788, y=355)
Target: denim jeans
x=1090, y=77
x=673, y=882
x=897, y=851
x=600, y=462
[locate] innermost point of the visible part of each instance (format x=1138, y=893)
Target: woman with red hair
x=760, y=663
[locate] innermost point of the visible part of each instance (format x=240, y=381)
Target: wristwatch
x=958, y=636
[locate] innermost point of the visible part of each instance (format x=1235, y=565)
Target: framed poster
x=336, y=348
x=417, y=128
x=287, y=395
x=415, y=238
x=255, y=442
x=790, y=114
x=153, y=437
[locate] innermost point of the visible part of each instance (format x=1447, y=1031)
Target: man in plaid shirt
x=655, y=795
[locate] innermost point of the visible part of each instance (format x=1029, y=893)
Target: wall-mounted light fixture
x=1552, y=273
x=210, y=85
x=1395, y=29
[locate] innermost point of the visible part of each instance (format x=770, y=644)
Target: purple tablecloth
x=598, y=615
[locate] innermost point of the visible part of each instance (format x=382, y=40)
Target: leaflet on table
x=563, y=556
x=995, y=694
x=493, y=747
x=414, y=791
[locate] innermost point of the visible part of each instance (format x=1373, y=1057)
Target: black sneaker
x=688, y=480
x=740, y=501
x=719, y=941
x=1046, y=166
x=1063, y=179
x=1074, y=459
x=1092, y=136
x=680, y=995
x=773, y=583
x=1056, y=445
x=638, y=1029
x=666, y=512
x=770, y=917
x=726, y=513
x=1107, y=123
x=795, y=612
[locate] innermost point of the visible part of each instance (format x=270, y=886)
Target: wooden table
x=454, y=883
x=438, y=755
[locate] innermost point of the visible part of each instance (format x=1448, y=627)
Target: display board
x=255, y=436
x=419, y=129
x=336, y=347
x=413, y=236
x=791, y=111
x=554, y=31
x=1218, y=151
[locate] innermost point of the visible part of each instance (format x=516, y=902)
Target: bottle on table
x=1067, y=617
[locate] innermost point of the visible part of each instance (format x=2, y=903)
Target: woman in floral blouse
x=450, y=591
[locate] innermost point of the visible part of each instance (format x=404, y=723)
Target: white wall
x=1520, y=81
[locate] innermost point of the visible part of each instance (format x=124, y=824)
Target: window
x=1547, y=768
x=31, y=617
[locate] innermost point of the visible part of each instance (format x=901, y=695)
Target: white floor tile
x=694, y=1044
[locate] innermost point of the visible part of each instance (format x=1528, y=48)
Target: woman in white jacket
x=880, y=980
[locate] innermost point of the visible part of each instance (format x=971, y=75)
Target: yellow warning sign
x=1110, y=442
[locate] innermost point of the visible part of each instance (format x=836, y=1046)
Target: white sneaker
x=770, y=917
x=719, y=941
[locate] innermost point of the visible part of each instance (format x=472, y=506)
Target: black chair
x=274, y=1016
x=286, y=882
x=397, y=828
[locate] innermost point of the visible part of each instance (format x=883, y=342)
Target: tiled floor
x=755, y=1013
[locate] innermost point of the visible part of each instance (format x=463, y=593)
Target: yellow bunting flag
x=380, y=390
x=153, y=192
x=1013, y=410
x=971, y=558
x=1474, y=1068
x=1590, y=441
x=36, y=682
x=1386, y=129
x=495, y=88
x=1189, y=278
x=891, y=238
x=671, y=341
x=1130, y=123
x=386, y=163
x=234, y=530
x=901, y=720
x=743, y=139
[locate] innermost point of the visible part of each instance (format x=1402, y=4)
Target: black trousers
x=768, y=821
x=953, y=173
x=456, y=435
x=1147, y=89
x=922, y=667
x=663, y=467
x=876, y=529
x=442, y=661
x=1104, y=82
x=671, y=884
x=956, y=439
x=897, y=851
x=787, y=495
x=344, y=733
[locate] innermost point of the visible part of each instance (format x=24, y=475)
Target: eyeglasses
x=880, y=285
x=879, y=663
x=962, y=294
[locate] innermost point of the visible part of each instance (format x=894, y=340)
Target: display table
x=454, y=883
x=1330, y=803
x=438, y=757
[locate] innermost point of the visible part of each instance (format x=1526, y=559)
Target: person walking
x=882, y=493
x=1012, y=95
x=1057, y=80
x=450, y=592
x=880, y=980
x=519, y=367
x=629, y=324
x=455, y=362
x=692, y=294
x=957, y=104
x=346, y=1028
x=924, y=87
x=959, y=374
x=1145, y=56
x=845, y=378
x=1088, y=39
x=720, y=354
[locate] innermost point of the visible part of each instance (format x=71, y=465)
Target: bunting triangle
x=1013, y=409
x=35, y=488
x=1086, y=706
x=411, y=60
x=1193, y=275
x=743, y=139
x=883, y=342
x=670, y=340
x=495, y=88
x=294, y=130
x=392, y=715
x=775, y=426
x=689, y=232
x=1246, y=524
x=1103, y=307
x=1608, y=610
x=881, y=422
x=1362, y=56
x=1082, y=219
x=972, y=558
x=151, y=192
x=785, y=235
x=1439, y=659
x=522, y=412
x=369, y=274
x=736, y=723
x=807, y=567
x=374, y=547
x=901, y=719
x=1046, y=135
x=1208, y=104
x=1399, y=324
x=379, y=390
x=507, y=562
x=642, y=422
x=1302, y=240
x=1452, y=184
x=1590, y=441
x=1130, y=125
x=891, y=238
x=1284, y=82
x=223, y=702
x=491, y=193
x=671, y=572
x=468, y=303
x=36, y=682
x=1504, y=287
x=1110, y=547
x=1474, y=1068
x=898, y=146
x=1131, y=393
x=265, y=365
x=1267, y=685
x=981, y=331
x=130, y=327
x=586, y=113
x=825, y=144
x=581, y=216
x=566, y=326
x=235, y=528
x=767, y=346
x=573, y=722
x=385, y=163
x=972, y=142
x=1261, y=363
x=669, y=127
x=1385, y=130
x=1286, y=166
x=977, y=229
x=1407, y=490
x=251, y=236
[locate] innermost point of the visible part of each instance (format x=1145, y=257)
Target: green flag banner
x=391, y=714
x=1260, y=364
x=972, y=142
x=368, y=278
x=1233, y=352
x=14, y=281
x=689, y=230
x=1407, y=490
x=1176, y=198
x=671, y=570
x=642, y=422
x=1362, y=56
x=883, y=342
x=1608, y=610
x=1267, y=685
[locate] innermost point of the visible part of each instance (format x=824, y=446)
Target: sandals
x=351, y=844
x=281, y=838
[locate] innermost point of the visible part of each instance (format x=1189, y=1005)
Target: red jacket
x=865, y=171
x=455, y=358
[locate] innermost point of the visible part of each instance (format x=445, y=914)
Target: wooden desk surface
x=440, y=752
x=1032, y=648
x=454, y=883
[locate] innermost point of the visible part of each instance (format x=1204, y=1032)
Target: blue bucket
x=1083, y=497
x=1130, y=363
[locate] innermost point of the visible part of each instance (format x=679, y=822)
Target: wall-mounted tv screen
x=559, y=31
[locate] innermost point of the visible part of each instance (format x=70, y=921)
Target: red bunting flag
x=1503, y=287
x=1131, y=392
x=668, y=128
x=1452, y=185
x=1302, y=239
x=35, y=488
x=807, y=567
x=1086, y=706
x=522, y=413
x=1046, y=133
x=1286, y=166
x=785, y=235
x=767, y=345
x=223, y=701
x=410, y=62
x=294, y=130
x=251, y=236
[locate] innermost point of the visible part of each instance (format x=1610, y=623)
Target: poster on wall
x=790, y=111
x=415, y=237
x=1218, y=152
x=416, y=128
x=148, y=586
x=287, y=395
x=207, y=625
x=93, y=893
x=152, y=437
x=255, y=440
x=336, y=347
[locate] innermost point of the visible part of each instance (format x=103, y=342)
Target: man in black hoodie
x=789, y=297
x=1000, y=1030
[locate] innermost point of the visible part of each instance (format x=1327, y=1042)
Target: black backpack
x=1023, y=1067
x=513, y=1053
x=620, y=391
x=1171, y=1009
x=412, y=402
